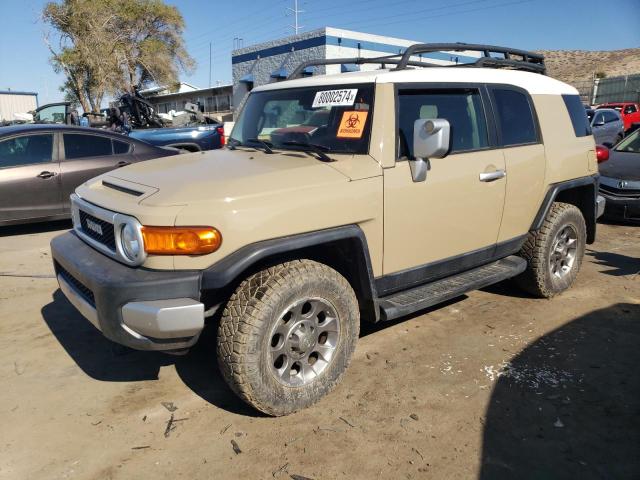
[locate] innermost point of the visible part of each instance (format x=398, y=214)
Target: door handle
x=122, y=164
x=492, y=176
x=46, y=174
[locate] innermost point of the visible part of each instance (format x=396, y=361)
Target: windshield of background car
x=335, y=117
x=630, y=144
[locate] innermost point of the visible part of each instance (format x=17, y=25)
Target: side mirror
x=430, y=140
x=598, y=123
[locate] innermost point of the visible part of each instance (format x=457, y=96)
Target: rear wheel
x=287, y=336
x=554, y=253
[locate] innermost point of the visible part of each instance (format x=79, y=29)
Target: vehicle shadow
x=568, y=405
x=33, y=228
x=621, y=265
x=104, y=360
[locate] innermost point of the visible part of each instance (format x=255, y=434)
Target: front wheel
x=287, y=335
x=555, y=252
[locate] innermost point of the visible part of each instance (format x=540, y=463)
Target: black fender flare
x=236, y=265
x=590, y=214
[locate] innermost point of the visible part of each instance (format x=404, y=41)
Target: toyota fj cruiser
x=365, y=195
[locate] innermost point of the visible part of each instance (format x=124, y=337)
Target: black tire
x=246, y=329
x=538, y=278
x=618, y=139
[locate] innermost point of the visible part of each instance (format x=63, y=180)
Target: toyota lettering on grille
x=93, y=226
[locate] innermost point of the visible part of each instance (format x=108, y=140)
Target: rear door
x=29, y=177
x=87, y=155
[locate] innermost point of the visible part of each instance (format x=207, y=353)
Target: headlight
x=130, y=242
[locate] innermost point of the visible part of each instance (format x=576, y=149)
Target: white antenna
x=296, y=27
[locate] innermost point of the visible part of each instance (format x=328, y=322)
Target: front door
x=457, y=210
x=29, y=178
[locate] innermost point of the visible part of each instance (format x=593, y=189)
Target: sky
x=525, y=24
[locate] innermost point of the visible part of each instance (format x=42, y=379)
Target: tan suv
x=361, y=196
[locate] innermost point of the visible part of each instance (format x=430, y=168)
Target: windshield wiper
x=266, y=145
x=312, y=147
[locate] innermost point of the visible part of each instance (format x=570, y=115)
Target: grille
x=98, y=230
x=618, y=192
x=77, y=285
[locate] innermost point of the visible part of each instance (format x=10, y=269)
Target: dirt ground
x=492, y=385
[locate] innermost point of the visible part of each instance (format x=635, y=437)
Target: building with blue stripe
x=273, y=61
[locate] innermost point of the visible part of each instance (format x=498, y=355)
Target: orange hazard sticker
x=352, y=124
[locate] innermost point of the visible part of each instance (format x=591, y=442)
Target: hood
x=227, y=174
x=622, y=165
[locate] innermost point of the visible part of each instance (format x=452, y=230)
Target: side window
x=120, y=148
x=516, y=125
x=598, y=119
x=26, y=150
x=462, y=108
x=78, y=145
x=630, y=109
x=52, y=114
x=579, y=116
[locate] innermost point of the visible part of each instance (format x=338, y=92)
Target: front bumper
x=140, y=308
x=600, y=206
x=626, y=209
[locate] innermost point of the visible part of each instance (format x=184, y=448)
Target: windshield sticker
x=352, y=124
x=335, y=98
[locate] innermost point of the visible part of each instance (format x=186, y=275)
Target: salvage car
x=192, y=138
x=41, y=166
x=620, y=180
x=606, y=125
x=630, y=113
x=363, y=196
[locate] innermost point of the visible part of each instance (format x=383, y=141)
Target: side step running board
x=418, y=298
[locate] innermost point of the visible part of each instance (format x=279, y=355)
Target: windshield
x=630, y=144
x=336, y=119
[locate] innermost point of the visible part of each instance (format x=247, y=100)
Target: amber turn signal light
x=181, y=240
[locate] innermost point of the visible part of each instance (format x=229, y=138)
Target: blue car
x=192, y=139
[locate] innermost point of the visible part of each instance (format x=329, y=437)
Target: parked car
x=191, y=138
x=41, y=165
x=630, y=112
x=606, y=125
x=620, y=180
x=306, y=226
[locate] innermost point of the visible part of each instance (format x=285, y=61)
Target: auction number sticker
x=335, y=98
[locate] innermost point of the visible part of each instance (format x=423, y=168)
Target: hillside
x=576, y=66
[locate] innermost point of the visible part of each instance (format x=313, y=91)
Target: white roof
x=534, y=83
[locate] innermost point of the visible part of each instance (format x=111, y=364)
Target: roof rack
x=388, y=59
x=524, y=60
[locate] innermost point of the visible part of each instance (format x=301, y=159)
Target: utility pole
x=296, y=26
x=210, y=67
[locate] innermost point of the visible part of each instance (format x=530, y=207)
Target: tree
x=110, y=46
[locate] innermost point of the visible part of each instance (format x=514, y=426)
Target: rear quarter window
x=578, y=115
x=516, y=122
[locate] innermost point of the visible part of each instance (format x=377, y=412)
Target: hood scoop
x=120, y=188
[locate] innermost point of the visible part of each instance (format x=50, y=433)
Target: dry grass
x=576, y=66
